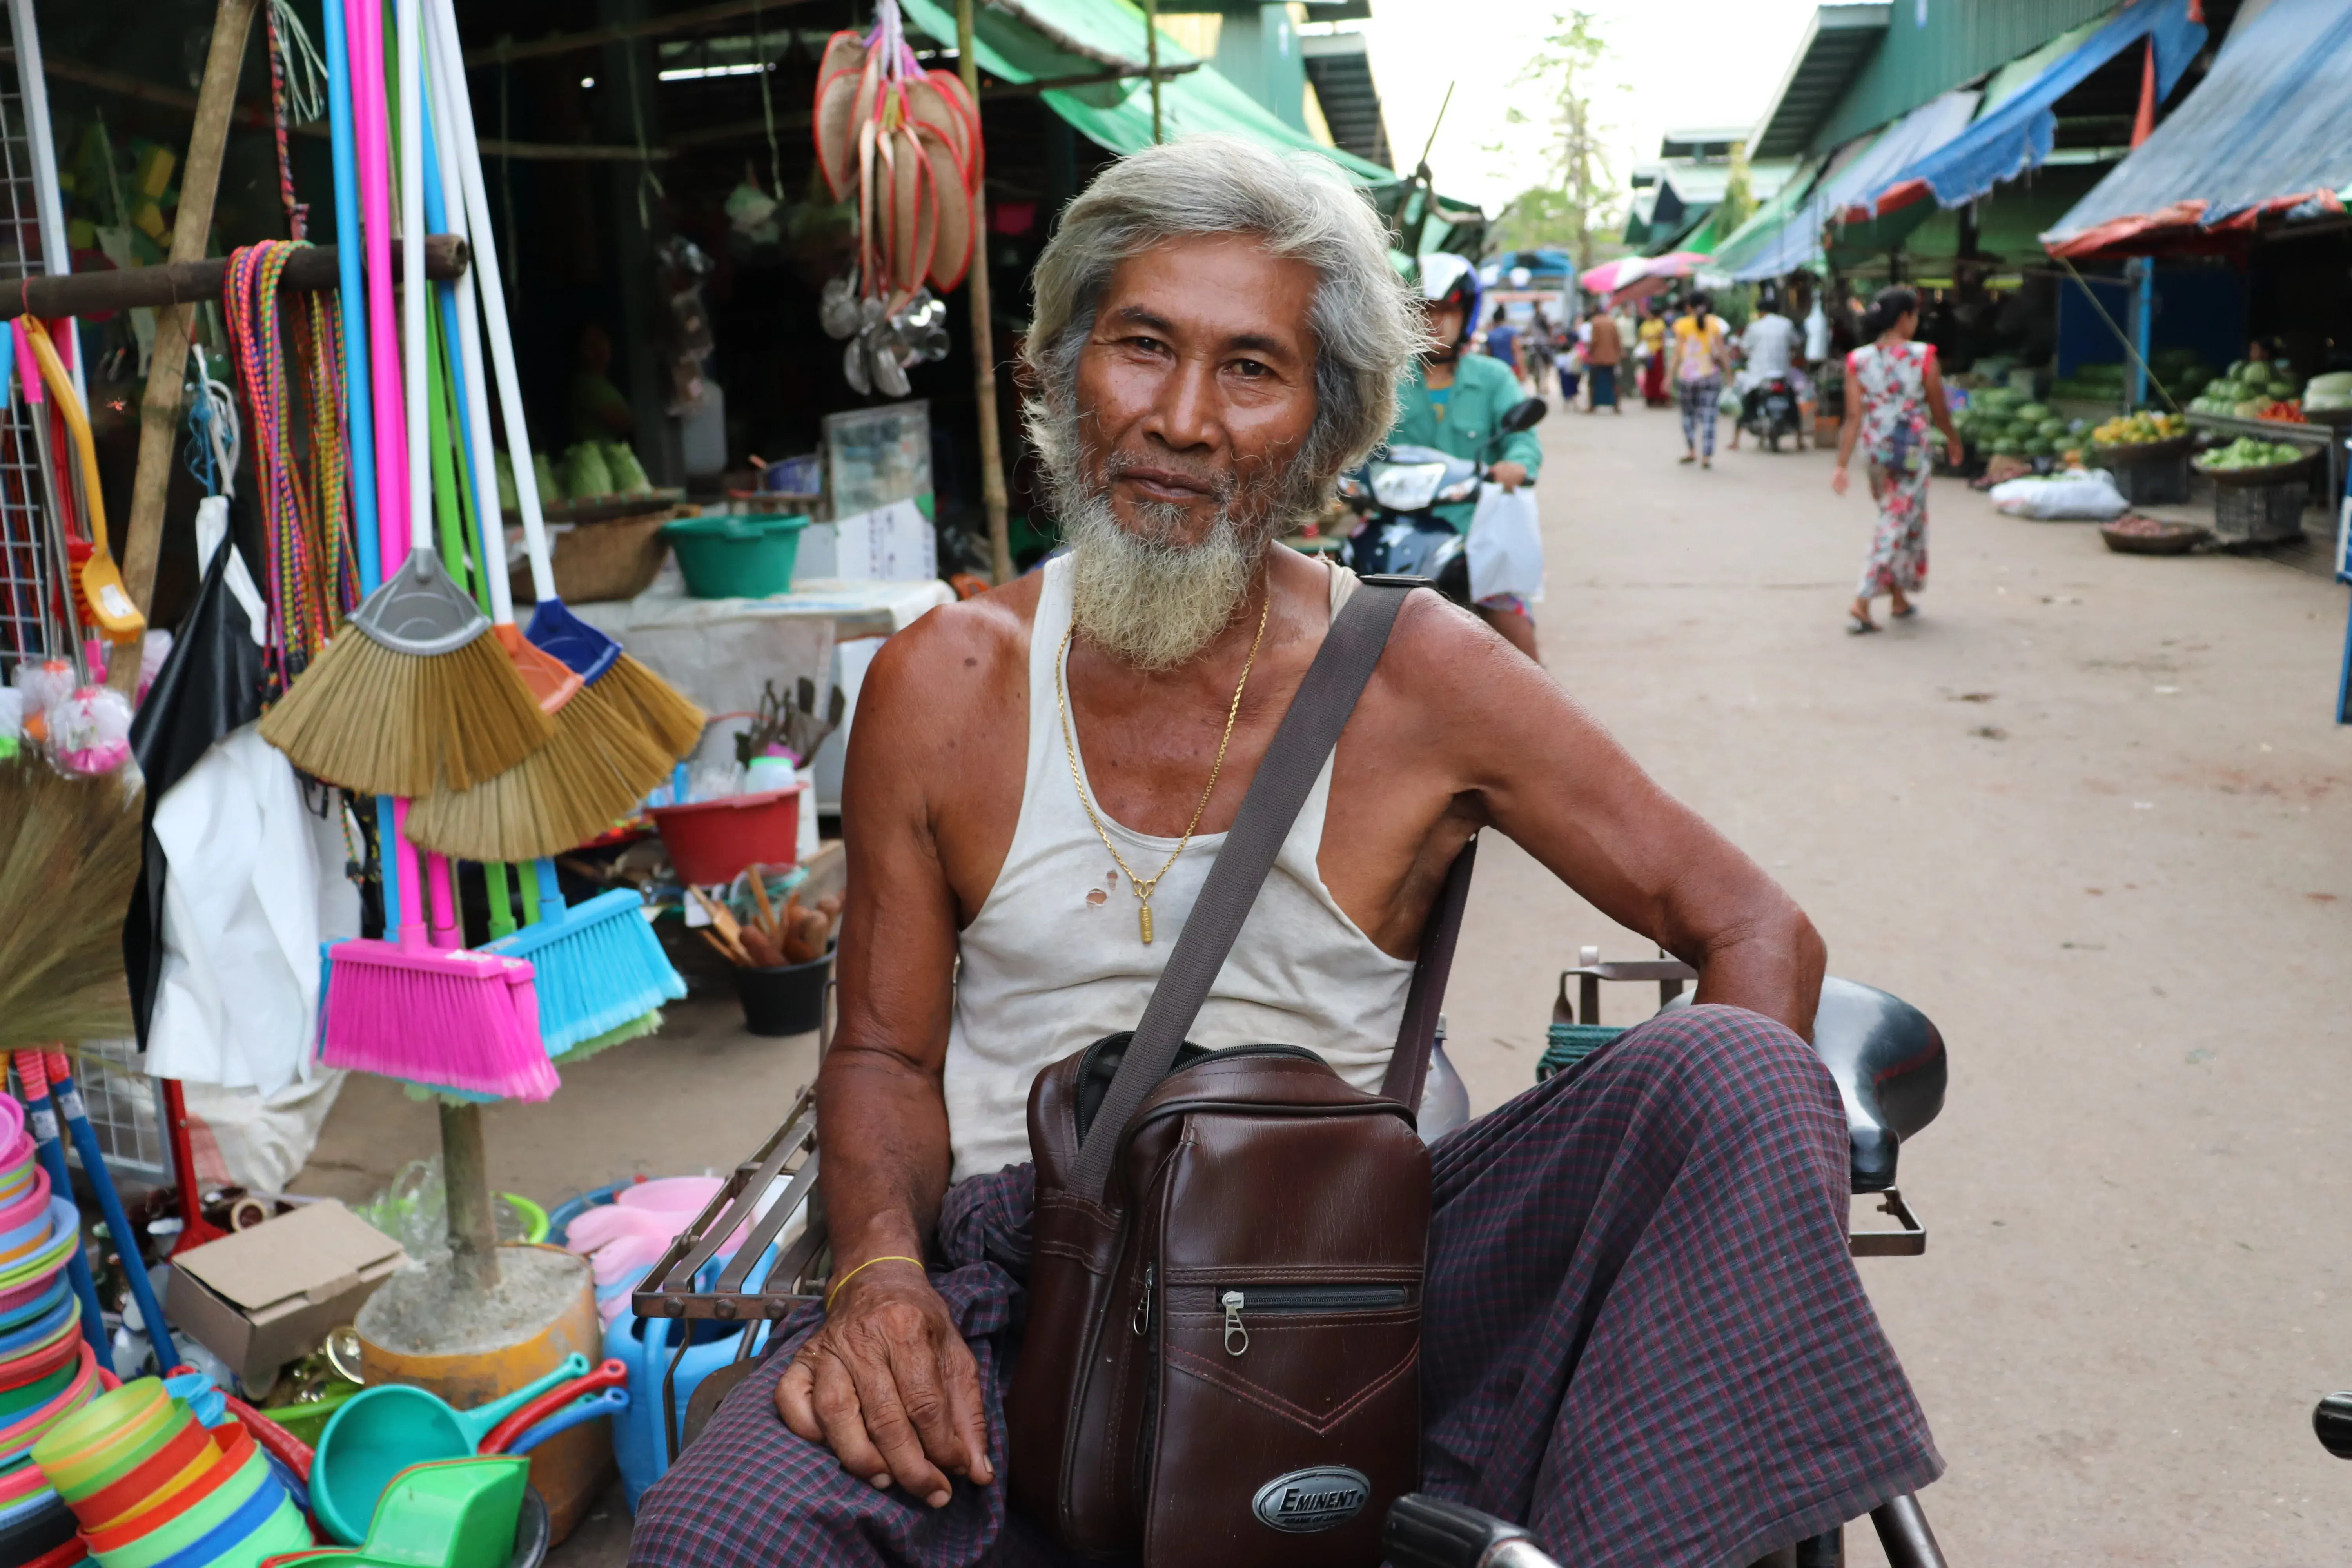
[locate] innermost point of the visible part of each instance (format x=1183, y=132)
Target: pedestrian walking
x=1574, y=346
x=1503, y=343
x=1605, y=351
x=1893, y=391
x=1702, y=353
x=1652, y=351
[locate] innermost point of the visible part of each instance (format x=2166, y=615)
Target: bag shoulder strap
x=1309, y=729
x=1417, y=1032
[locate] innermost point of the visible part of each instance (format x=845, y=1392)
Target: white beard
x=1145, y=598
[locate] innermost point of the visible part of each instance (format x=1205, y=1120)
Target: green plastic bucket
x=732, y=557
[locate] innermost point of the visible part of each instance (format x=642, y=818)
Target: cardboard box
x=269, y=1296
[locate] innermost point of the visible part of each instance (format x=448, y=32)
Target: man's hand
x=1510, y=476
x=890, y=1386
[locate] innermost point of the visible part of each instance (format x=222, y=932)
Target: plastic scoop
x=612, y=1403
x=382, y=1431
x=611, y=1374
x=101, y=581
x=455, y=1514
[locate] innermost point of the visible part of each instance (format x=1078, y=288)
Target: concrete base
x=469, y=1348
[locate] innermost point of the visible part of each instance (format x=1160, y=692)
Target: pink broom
x=421, y=1009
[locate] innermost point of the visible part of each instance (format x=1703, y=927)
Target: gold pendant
x=1143, y=918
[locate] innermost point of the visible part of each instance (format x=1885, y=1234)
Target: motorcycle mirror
x=1525, y=415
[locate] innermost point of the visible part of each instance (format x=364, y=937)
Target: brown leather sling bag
x=1222, y=1362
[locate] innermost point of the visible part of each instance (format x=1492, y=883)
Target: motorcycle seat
x=1885, y=1055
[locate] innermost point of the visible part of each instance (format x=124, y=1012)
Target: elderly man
x=1643, y=1335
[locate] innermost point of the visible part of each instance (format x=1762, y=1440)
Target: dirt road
x=2090, y=813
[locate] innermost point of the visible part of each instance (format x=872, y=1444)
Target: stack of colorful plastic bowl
x=47, y=1372
x=153, y=1486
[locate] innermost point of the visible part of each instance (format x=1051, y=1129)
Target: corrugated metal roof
x=1934, y=46
x=1341, y=72
x=2270, y=126
x=1837, y=42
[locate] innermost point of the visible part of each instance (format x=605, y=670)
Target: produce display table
x=2325, y=438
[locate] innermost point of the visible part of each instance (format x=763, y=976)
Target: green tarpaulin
x=1752, y=238
x=1040, y=41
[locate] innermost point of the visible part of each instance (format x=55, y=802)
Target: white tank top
x=1054, y=960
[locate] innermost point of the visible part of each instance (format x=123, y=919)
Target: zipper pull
x=1141, y=1321
x=1236, y=1336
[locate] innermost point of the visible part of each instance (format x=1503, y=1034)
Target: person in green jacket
x=1454, y=402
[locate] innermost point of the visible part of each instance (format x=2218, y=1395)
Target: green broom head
x=636, y=1028
x=68, y=857
x=598, y=968
x=420, y=701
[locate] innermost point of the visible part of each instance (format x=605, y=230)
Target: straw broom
x=69, y=856
x=615, y=680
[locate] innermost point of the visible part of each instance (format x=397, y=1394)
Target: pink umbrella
x=1675, y=264
x=1612, y=276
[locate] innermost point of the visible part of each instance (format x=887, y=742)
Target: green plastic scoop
x=382, y=1431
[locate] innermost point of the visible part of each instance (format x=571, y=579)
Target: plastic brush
x=614, y=680
x=598, y=765
x=410, y=1009
x=420, y=699
x=601, y=966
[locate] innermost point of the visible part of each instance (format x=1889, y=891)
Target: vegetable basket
x=611, y=560
x=2295, y=473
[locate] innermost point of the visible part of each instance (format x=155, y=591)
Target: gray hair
x=1300, y=206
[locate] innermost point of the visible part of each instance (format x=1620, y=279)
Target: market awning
x=1836, y=42
x=2269, y=130
x=1046, y=40
x=1759, y=235
x=2018, y=132
x=1860, y=167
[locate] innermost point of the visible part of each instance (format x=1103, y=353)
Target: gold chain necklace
x=1143, y=886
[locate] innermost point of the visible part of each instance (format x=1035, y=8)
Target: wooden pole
x=465, y=1179
x=983, y=338
x=308, y=271
x=1151, y=62
x=159, y=410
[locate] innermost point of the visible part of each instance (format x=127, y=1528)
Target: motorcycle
x=1768, y=411
x=1398, y=532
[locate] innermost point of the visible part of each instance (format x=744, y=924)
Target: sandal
x=1687, y=458
x=1905, y=612
x=1857, y=627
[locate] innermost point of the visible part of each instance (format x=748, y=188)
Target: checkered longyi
x=1643, y=1336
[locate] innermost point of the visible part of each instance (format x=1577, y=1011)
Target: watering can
x=382, y=1431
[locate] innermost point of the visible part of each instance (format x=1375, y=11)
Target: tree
x=1578, y=202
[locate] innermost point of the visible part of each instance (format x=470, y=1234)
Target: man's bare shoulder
x=958, y=666
x=1449, y=685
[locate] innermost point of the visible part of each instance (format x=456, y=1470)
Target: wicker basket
x=2259, y=513
x=594, y=561
x=2154, y=473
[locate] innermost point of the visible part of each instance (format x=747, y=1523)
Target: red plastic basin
x=712, y=840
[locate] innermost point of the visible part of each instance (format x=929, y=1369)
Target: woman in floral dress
x=1892, y=391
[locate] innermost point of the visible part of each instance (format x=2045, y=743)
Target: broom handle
x=465, y=353
x=492, y=292
x=383, y=339
x=349, y=248
x=409, y=58
x=49, y=1144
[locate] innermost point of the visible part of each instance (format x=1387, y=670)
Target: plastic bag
x=2090, y=496
x=1506, y=547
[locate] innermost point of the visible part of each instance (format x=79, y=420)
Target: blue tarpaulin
x=1856, y=176
x=2017, y=134
x=2269, y=129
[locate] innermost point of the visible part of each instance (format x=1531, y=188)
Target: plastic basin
x=710, y=841
x=724, y=557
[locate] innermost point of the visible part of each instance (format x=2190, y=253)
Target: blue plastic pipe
x=118, y=1224
x=50, y=1141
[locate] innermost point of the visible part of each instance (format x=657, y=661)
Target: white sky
x=1686, y=62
